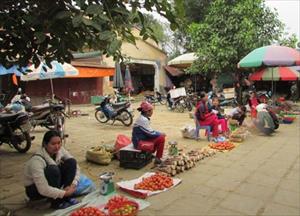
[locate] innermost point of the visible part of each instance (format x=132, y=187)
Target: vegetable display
x=121, y=206
x=88, y=211
x=222, y=146
x=177, y=164
x=154, y=183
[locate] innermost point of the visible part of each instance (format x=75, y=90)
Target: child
x=222, y=120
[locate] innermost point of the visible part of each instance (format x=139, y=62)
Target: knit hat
x=145, y=106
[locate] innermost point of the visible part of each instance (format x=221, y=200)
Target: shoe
x=72, y=201
x=64, y=204
x=221, y=139
x=157, y=161
x=214, y=140
x=61, y=205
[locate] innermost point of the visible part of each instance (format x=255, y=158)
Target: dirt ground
x=85, y=132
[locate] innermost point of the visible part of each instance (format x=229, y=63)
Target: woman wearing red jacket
x=206, y=117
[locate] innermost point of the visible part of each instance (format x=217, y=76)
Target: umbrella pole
x=52, y=91
x=272, y=85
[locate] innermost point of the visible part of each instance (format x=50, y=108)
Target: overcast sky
x=289, y=13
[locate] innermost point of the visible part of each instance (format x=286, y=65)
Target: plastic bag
x=188, y=132
x=85, y=186
x=121, y=142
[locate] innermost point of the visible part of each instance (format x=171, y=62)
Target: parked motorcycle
x=114, y=112
x=180, y=104
x=156, y=98
x=14, y=130
x=223, y=101
x=50, y=115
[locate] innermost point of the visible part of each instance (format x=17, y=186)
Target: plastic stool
x=199, y=127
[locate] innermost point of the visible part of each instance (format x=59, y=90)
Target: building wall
x=78, y=90
x=148, y=50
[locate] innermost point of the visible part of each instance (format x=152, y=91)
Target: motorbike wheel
x=21, y=140
x=101, y=117
x=60, y=126
x=50, y=122
x=163, y=101
x=189, y=106
x=125, y=117
x=179, y=107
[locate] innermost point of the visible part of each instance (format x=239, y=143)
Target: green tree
x=289, y=41
x=195, y=10
x=35, y=30
x=229, y=31
x=156, y=27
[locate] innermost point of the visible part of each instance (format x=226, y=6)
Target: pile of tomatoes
x=121, y=206
x=154, y=183
x=222, y=146
x=88, y=211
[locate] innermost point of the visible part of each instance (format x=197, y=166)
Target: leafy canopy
x=230, y=30
x=35, y=30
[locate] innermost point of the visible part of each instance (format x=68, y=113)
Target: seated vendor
x=215, y=108
x=206, y=117
x=238, y=113
x=264, y=121
x=52, y=173
x=144, y=137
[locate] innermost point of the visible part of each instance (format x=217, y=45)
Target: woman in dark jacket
x=144, y=137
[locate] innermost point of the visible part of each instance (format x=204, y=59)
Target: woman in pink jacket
x=206, y=117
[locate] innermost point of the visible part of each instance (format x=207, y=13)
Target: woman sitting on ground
x=215, y=108
x=144, y=137
x=206, y=117
x=238, y=113
x=52, y=173
x=264, y=121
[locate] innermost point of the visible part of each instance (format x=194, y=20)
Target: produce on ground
x=222, y=145
x=182, y=162
x=88, y=211
x=121, y=206
x=155, y=182
x=177, y=164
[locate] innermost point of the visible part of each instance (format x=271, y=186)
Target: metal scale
x=106, y=183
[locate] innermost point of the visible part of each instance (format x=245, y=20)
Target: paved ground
x=259, y=177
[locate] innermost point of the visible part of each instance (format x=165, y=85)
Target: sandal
x=72, y=201
x=61, y=205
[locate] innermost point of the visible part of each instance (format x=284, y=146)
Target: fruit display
x=155, y=182
x=222, y=146
x=88, y=211
x=121, y=206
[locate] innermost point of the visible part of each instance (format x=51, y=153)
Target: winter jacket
x=34, y=172
x=142, y=130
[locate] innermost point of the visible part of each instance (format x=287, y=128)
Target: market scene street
x=258, y=177
x=150, y=107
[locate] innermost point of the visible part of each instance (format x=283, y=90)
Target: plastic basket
x=111, y=211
